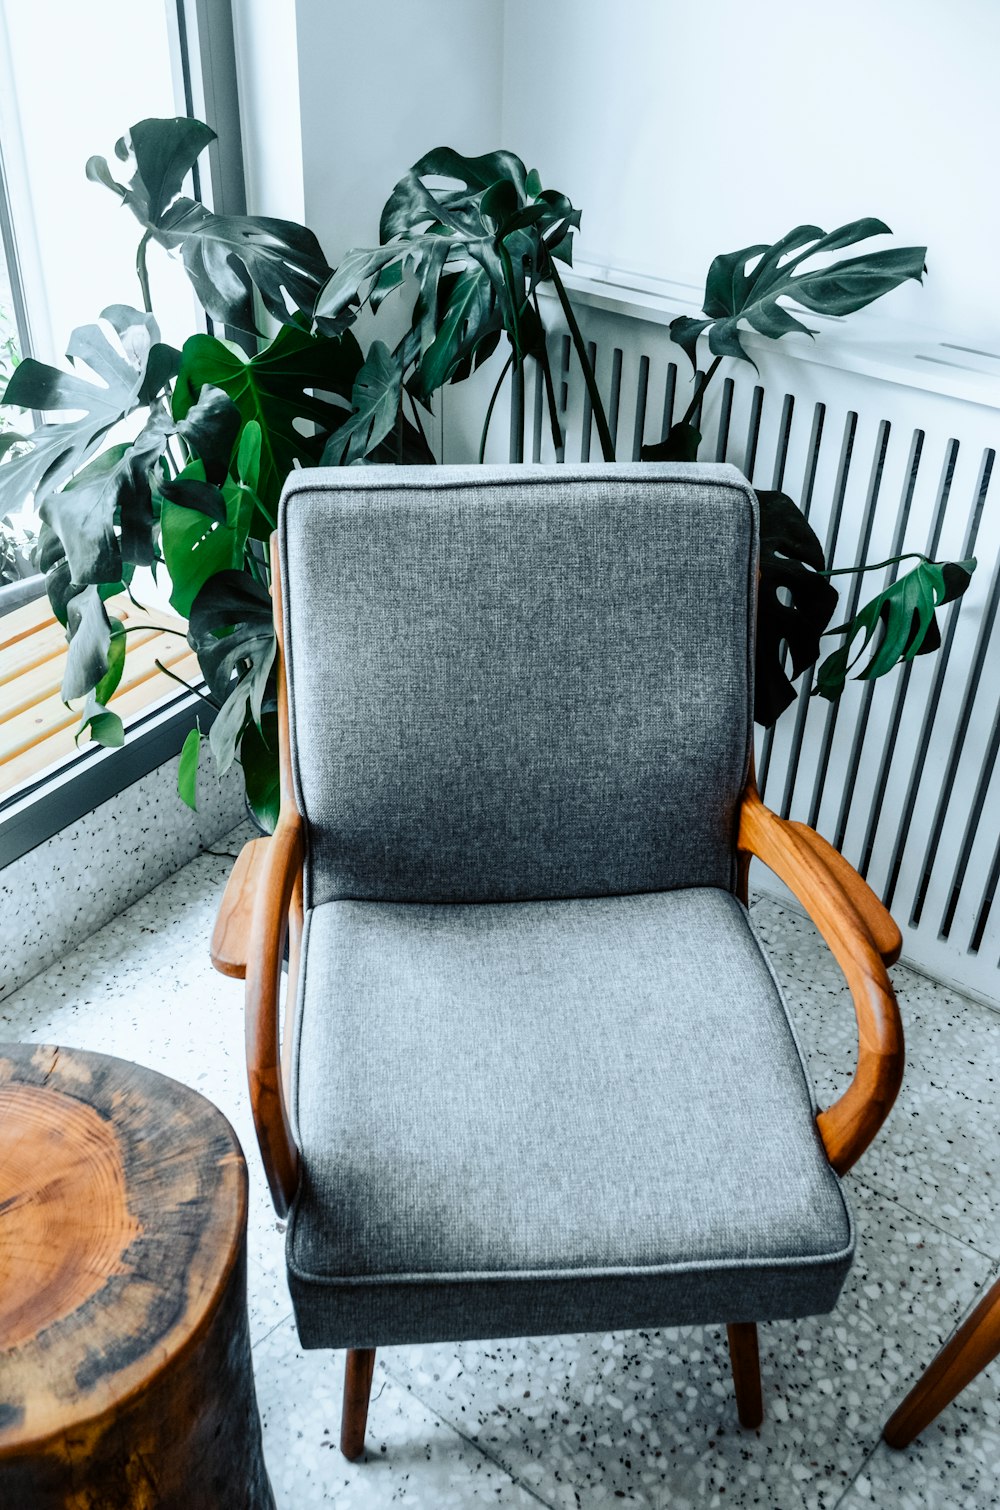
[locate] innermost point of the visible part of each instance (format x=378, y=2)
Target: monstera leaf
x=791, y=558
x=231, y=630
x=104, y=516
x=475, y=252
x=680, y=443
x=746, y=285
x=905, y=613
x=226, y=256
x=375, y=403
x=129, y=375
x=272, y=390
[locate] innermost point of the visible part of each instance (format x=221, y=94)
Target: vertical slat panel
x=903, y=774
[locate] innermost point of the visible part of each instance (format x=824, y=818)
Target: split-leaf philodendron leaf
x=905, y=613
x=130, y=371
x=475, y=252
x=791, y=559
x=226, y=257
x=747, y=285
x=277, y=390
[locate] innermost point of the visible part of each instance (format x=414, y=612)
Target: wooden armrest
x=879, y=921
x=231, y=935
x=855, y=932
x=279, y=877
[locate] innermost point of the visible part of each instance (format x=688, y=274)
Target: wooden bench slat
x=36, y=728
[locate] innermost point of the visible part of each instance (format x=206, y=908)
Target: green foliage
x=195, y=488
x=187, y=770
x=215, y=429
x=897, y=624
x=227, y=257
x=795, y=603
x=746, y=285
x=796, y=599
x=273, y=391
x=474, y=256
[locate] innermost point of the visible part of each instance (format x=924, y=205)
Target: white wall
x=380, y=86
x=683, y=130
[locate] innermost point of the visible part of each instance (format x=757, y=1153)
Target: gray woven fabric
x=551, y=1116
x=510, y=683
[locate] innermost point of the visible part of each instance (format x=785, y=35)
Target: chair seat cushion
x=558, y=1116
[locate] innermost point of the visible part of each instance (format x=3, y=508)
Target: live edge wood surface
x=125, y=1371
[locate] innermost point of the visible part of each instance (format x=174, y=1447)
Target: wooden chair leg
x=358, y=1370
x=974, y=1345
x=745, y=1359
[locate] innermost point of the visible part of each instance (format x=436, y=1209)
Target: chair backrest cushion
x=520, y=682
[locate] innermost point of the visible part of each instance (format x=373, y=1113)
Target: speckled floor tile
x=59, y=892
x=937, y=1153
x=411, y=1454
x=953, y=1465
x=651, y=1416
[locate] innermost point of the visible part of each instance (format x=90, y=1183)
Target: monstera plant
x=172, y=461
x=797, y=599
x=476, y=256
x=214, y=429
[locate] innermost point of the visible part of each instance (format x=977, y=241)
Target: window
x=69, y=253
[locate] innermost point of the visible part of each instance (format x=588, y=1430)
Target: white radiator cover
x=887, y=442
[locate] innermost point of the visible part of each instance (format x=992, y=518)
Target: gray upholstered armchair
x=537, y=1074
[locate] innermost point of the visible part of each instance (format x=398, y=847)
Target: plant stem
x=160, y=628
x=143, y=273
x=846, y=571
x=703, y=381
x=492, y=403
x=550, y=392
x=603, y=431
x=186, y=685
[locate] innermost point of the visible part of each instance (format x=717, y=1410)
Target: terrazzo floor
x=628, y=1419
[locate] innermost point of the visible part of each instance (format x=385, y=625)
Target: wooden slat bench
x=36, y=728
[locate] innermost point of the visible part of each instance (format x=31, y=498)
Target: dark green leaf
x=747, y=284
x=57, y=450
x=209, y=428
x=194, y=493
x=375, y=407
x=475, y=250
x=272, y=390
x=681, y=444
x=470, y=315
x=187, y=770
x=106, y=728
x=195, y=548
x=226, y=256
x=259, y=759
x=898, y=623
x=248, y=456
x=791, y=558
x=108, y=685
x=89, y=632
x=231, y=628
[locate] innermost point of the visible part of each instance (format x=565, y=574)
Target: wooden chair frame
x=262, y=906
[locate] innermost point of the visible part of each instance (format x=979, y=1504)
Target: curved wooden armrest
x=230, y=945
x=279, y=877
x=877, y=919
x=856, y=933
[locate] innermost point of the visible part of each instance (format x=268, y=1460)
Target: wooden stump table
x=125, y=1373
